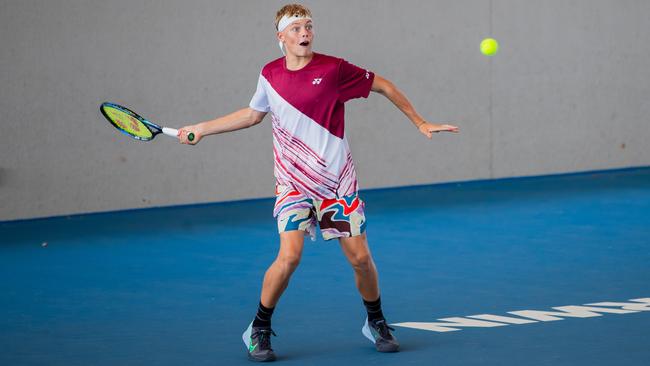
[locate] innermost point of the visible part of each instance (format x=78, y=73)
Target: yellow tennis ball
x=489, y=46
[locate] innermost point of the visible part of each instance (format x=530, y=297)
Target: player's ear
x=280, y=36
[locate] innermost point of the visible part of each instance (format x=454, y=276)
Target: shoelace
x=264, y=337
x=384, y=328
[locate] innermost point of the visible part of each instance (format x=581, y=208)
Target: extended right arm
x=238, y=120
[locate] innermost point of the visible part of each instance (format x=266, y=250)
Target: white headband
x=285, y=22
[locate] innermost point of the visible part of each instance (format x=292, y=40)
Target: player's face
x=298, y=38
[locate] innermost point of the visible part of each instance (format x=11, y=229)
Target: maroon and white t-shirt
x=307, y=109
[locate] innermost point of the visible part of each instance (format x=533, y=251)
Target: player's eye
x=309, y=27
x=295, y=29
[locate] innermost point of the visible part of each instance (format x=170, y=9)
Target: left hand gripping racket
x=133, y=125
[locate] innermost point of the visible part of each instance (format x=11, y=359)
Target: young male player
x=315, y=176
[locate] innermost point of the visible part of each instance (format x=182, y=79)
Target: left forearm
x=390, y=91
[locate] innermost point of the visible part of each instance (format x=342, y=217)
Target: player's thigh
x=291, y=245
x=356, y=248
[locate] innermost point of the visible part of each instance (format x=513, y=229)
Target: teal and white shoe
x=378, y=332
x=258, y=343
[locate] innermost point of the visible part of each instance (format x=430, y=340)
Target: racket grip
x=172, y=132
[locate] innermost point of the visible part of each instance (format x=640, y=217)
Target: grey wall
x=568, y=91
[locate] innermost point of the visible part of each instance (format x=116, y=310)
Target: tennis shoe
x=258, y=343
x=378, y=332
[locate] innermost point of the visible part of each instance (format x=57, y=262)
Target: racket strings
x=127, y=123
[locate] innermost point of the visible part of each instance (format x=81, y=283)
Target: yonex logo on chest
x=317, y=81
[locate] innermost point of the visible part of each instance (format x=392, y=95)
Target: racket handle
x=174, y=133
x=171, y=132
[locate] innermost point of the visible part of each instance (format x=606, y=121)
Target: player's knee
x=362, y=262
x=289, y=261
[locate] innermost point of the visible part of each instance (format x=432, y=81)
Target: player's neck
x=294, y=62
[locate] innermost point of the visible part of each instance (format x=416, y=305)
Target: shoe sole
x=390, y=349
x=254, y=359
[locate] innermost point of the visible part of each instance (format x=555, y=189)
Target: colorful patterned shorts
x=337, y=217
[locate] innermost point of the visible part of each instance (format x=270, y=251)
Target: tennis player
x=316, y=182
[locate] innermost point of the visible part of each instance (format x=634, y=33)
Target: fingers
x=431, y=129
x=444, y=128
x=451, y=129
x=183, y=137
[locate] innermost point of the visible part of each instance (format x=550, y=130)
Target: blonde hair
x=291, y=10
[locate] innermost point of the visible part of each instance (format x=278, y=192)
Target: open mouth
x=304, y=44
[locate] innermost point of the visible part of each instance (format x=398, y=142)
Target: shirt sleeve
x=354, y=82
x=260, y=101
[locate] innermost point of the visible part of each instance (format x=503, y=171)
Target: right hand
x=183, y=132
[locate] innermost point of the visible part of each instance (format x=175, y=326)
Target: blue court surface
x=178, y=286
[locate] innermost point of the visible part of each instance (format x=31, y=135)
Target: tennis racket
x=133, y=125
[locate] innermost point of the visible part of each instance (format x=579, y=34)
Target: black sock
x=374, y=309
x=263, y=317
